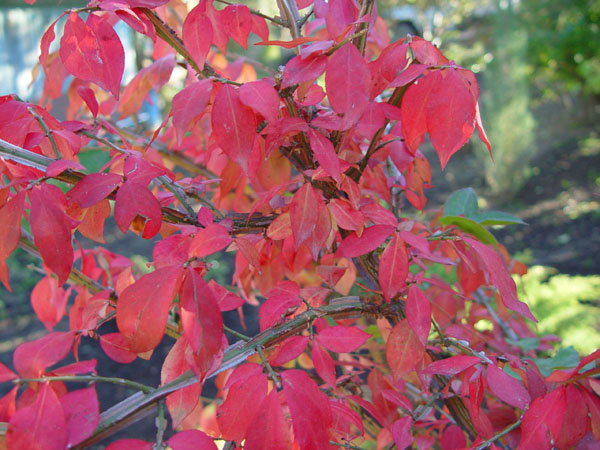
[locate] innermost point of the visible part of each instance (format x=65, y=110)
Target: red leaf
x=93, y=52
x=82, y=414
x=542, y=421
x=309, y=408
x=413, y=109
x=299, y=70
x=317, y=240
x=8, y=404
x=201, y=318
x=197, y=34
x=240, y=407
x=507, y=388
x=451, y=366
x=401, y=432
x=408, y=75
x=143, y=308
x=323, y=363
x=500, y=278
x=188, y=104
x=237, y=23
x=51, y=231
x=191, y=440
x=40, y=425
x=59, y=166
x=49, y=301
x=93, y=188
x=153, y=76
x=303, y=214
x=6, y=374
x=89, y=98
x=340, y=339
x=450, y=114
x=347, y=83
x=269, y=429
x=209, y=240
x=289, y=44
x=135, y=199
x=481, y=131
x=385, y=68
x=403, y=350
x=234, y=126
x=345, y=215
x=325, y=154
x=575, y=421
x=10, y=218
x=262, y=97
x=116, y=348
x=183, y=401
x=226, y=300
x=259, y=27
x=418, y=313
x=370, y=239
x=290, y=349
x=393, y=267
x=275, y=308
x=31, y=359
x=453, y=438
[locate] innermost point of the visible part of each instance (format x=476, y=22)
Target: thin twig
x=88, y=379
x=272, y=374
x=47, y=130
x=504, y=432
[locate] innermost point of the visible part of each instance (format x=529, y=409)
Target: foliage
x=565, y=305
x=310, y=177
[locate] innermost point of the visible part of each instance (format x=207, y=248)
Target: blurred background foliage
x=538, y=65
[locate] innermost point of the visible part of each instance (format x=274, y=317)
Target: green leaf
x=526, y=343
x=471, y=227
x=462, y=202
x=565, y=358
x=496, y=218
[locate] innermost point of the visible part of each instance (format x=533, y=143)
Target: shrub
x=313, y=183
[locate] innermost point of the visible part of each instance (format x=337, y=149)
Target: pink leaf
x=41, y=425
x=393, y=267
x=209, y=240
x=197, y=34
x=370, y=239
x=135, y=199
x=236, y=21
x=542, y=421
x=82, y=413
x=413, y=109
x=347, y=83
x=450, y=114
x=31, y=359
x=93, y=188
x=191, y=440
x=453, y=438
x=507, y=388
x=323, y=363
x=309, y=408
x=303, y=214
x=262, y=97
x=325, y=154
x=188, y=104
x=401, y=432
x=418, y=313
x=299, y=70
x=269, y=430
x=234, y=126
x=500, y=278
x=340, y=339
x=290, y=349
x=51, y=231
x=93, y=52
x=241, y=406
x=451, y=366
x=403, y=350
x=49, y=301
x=143, y=308
x=201, y=318
x=116, y=348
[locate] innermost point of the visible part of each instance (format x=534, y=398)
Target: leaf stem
x=237, y=334
x=504, y=432
x=272, y=374
x=47, y=130
x=88, y=379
